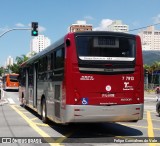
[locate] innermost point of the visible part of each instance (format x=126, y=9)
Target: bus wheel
x=43, y=111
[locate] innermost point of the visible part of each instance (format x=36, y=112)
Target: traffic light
x=34, y=29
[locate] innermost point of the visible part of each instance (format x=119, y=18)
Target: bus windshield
x=111, y=48
x=13, y=78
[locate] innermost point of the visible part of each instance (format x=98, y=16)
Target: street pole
x=14, y=29
x=147, y=80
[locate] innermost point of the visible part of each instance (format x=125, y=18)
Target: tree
x=155, y=67
x=19, y=60
x=14, y=68
x=1, y=71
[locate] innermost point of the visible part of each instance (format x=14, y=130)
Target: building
x=117, y=25
x=9, y=61
x=80, y=26
x=39, y=43
x=150, y=38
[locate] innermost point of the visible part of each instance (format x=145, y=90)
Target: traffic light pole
x=14, y=29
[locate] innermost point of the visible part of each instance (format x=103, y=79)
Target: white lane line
x=10, y=100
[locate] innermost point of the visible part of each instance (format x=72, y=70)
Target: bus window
x=59, y=58
x=52, y=61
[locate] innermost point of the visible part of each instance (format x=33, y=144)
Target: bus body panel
x=103, y=89
x=118, y=113
x=88, y=90
x=95, y=87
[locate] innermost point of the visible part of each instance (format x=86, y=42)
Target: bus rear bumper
x=115, y=113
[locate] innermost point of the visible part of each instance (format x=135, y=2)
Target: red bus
x=10, y=81
x=86, y=77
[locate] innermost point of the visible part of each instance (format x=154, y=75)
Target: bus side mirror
x=68, y=42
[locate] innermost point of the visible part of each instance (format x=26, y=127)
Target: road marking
x=36, y=128
x=153, y=112
x=60, y=140
x=21, y=109
x=26, y=112
x=153, y=119
x=10, y=100
x=156, y=128
x=33, y=119
x=150, y=127
x=40, y=124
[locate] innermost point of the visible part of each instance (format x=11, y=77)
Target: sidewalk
x=151, y=93
x=150, y=96
x=3, y=101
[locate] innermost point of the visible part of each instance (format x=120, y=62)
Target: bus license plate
x=108, y=95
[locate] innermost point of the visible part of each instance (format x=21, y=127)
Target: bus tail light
x=76, y=109
x=138, y=95
x=77, y=96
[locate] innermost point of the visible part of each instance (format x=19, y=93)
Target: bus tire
x=44, y=111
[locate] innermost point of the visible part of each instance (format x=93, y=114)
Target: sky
x=55, y=16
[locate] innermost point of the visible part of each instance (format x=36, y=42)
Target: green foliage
x=1, y=71
x=16, y=66
x=150, y=69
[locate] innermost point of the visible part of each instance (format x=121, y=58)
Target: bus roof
x=104, y=33
x=48, y=49
x=13, y=74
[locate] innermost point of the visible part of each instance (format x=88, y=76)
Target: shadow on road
x=91, y=132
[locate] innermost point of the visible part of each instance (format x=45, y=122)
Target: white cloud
x=88, y=18
x=3, y=29
x=136, y=23
x=156, y=19
x=103, y=26
x=40, y=28
x=20, y=25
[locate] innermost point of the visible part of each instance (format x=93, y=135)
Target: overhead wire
x=144, y=27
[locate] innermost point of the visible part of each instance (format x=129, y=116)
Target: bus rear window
x=13, y=78
x=110, y=48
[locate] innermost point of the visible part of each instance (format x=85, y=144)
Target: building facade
x=80, y=26
x=39, y=43
x=150, y=38
x=9, y=61
x=117, y=25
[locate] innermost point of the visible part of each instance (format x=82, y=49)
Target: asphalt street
x=18, y=122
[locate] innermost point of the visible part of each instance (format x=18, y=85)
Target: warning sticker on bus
x=84, y=101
